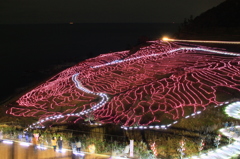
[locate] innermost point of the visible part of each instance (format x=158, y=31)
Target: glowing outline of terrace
x=101, y=103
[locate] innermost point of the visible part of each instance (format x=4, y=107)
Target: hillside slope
x=159, y=83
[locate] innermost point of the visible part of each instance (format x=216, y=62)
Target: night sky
x=24, y=47
x=101, y=11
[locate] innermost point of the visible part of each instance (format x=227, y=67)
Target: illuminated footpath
x=231, y=150
x=135, y=89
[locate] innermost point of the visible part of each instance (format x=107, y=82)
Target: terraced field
x=156, y=85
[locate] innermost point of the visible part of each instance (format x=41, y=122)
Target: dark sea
x=32, y=53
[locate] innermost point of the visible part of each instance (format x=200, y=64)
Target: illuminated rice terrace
x=159, y=82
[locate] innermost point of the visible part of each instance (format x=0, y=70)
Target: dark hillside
x=219, y=23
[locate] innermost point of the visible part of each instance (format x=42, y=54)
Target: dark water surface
x=29, y=53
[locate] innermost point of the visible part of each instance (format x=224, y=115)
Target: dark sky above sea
x=30, y=54
x=101, y=11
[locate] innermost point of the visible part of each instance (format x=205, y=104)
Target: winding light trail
x=170, y=51
x=104, y=97
x=203, y=41
x=104, y=100
x=231, y=150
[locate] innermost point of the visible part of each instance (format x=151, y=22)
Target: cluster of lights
x=225, y=152
x=181, y=148
x=201, y=145
x=175, y=122
x=148, y=126
x=99, y=124
x=62, y=150
x=131, y=79
x=153, y=148
x=79, y=153
x=25, y=144
x=39, y=123
x=232, y=149
x=231, y=110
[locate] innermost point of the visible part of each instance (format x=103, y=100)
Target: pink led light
x=163, y=78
